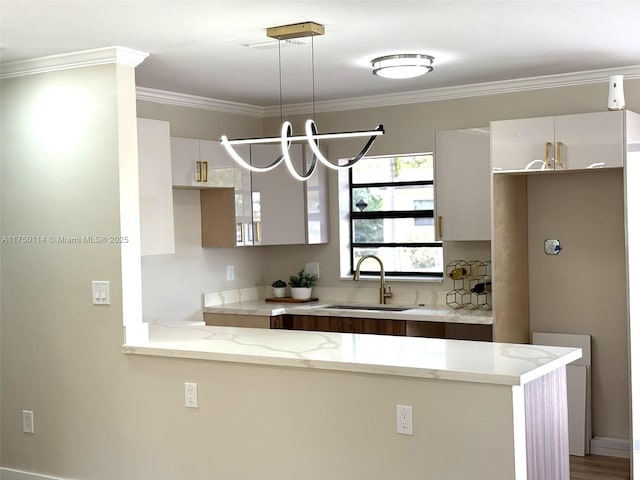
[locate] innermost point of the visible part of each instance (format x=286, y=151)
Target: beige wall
x=60, y=355
x=100, y=414
x=583, y=290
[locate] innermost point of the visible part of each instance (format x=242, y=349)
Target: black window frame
x=354, y=215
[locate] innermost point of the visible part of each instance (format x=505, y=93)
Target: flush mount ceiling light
x=311, y=136
x=405, y=65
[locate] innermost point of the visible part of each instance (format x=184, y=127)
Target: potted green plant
x=301, y=285
x=279, y=288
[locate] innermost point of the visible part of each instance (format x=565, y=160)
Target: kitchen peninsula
x=480, y=409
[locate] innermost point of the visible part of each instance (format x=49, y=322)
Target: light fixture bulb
x=406, y=65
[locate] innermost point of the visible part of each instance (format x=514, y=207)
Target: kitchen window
x=391, y=215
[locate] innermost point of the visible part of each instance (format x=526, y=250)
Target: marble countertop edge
x=437, y=359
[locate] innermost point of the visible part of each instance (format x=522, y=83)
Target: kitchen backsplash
x=401, y=295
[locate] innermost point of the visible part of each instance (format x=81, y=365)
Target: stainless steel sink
x=377, y=308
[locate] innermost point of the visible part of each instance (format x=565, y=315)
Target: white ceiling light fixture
x=404, y=65
x=311, y=136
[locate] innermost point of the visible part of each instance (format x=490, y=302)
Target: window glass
x=392, y=215
x=408, y=168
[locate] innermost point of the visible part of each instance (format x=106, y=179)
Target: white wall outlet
x=100, y=292
x=404, y=419
x=313, y=267
x=231, y=273
x=190, y=395
x=27, y=421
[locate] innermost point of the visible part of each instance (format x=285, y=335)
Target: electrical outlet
x=313, y=267
x=190, y=395
x=27, y=421
x=231, y=273
x=404, y=419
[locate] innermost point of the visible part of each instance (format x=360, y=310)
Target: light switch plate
x=100, y=292
x=27, y=421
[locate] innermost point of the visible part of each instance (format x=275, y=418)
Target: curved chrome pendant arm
x=285, y=144
x=240, y=161
x=312, y=132
x=313, y=140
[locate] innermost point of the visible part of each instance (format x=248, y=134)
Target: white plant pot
x=301, y=293
x=279, y=292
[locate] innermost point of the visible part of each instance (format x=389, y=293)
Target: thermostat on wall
x=552, y=247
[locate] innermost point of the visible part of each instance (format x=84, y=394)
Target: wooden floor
x=598, y=467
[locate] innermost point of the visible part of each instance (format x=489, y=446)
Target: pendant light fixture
x=311, y=135
x=404, y=65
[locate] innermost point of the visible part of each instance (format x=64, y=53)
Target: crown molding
x=194, y=101
x=66, y=61
x=461, y=91
x=418, y=96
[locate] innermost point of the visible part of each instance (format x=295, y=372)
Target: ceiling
x=196, y=47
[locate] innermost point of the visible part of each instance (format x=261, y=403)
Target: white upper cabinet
x=268, y=208
x=564, y=142
x=156, y=194
x=278, y=198
x=463, y=179
x=200, y=164
x=587, y=141
x=522, y=144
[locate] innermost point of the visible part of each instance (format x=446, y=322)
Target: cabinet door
x=188, y=169
x=463, y=179
x=278, y=199
x=317, y=206
x=156, y=194
x=521, y=145
x=220, y=168
x=589, y=140
x=185, y=152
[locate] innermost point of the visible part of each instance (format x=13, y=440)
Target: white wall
x=173, y=284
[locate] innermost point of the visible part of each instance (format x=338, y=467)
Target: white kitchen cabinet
x=199, y=163
x=268, y=208
x=226, y=206
x=278, y=199
x=463, y=180
x=563, y=142
x=156, y=194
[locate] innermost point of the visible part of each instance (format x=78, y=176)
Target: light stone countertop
x=430, y=358
x=413, y=313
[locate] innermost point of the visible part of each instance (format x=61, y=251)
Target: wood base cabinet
x=341, y=324
x=233, y=320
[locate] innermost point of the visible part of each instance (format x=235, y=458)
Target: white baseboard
x=11, y=474
x=611, y=447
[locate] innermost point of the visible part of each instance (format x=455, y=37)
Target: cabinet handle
x=439, y=227
x=241, y=237
x=198, y=171
x=558, y=157
x=258, y=231
x=205, y=171
x=547, y=158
